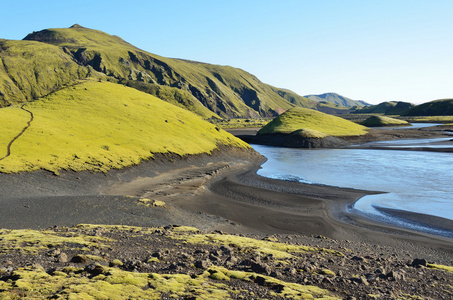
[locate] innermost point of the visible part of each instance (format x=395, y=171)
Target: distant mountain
x=387, y=108
x=48, y=60
x=337, y=99
x=443, y=107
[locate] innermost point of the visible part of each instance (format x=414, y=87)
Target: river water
x=414, y=181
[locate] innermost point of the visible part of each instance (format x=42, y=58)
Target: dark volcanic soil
x=218, y=193
x=349, y=270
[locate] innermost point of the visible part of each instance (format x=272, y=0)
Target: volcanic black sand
x=215, y=192
x=210, y=192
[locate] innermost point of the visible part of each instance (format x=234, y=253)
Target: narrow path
x=8, y=148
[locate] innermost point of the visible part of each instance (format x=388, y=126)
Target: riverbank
x=220, y=193
x=367, y=141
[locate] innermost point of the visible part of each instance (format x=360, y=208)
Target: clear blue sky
x=365, y=50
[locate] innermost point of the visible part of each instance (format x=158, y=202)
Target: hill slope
x=98, y=126
x=56, y=57
x=312, y=123
x=387, y=108
x=443, y=107
x=381, y=121
x=336, y=99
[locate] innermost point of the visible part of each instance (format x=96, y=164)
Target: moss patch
x=261, y=247
x=113, y=283
x=31, y=241
x=440, y=267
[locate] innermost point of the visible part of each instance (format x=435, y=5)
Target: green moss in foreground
x=31, y=241
x=312, y=123
x=97, y=126
x=440, y=267
x=113, y=283
x=261, y=247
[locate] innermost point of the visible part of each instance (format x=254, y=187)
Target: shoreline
x=217, y=192
x=241, y=215
x=369, y=141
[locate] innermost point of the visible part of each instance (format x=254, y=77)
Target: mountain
x=387, y=108
x=337, y=99
x=48, y=60
x=443, y=107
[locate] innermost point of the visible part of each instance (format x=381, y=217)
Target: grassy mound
x=379, y=121
x=98, y=126
x=313, y=123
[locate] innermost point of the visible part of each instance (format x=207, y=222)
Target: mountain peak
x=77, y=26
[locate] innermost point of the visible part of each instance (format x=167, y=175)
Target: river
x=413, y=181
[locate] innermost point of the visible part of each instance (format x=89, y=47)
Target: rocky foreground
x=119, y=262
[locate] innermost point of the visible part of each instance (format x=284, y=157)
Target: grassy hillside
x=387, y=108
x=78, y=52
x=99, y=125
x=312, y=123
x=295, y=98
x=378, y=121
x=29, y=70
x=337, y=99
x=443, y=107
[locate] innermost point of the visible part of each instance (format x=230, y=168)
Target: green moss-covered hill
x=443, y=107
x=387, y=108
x=311, y=124
x=49, y=59
x=380, y=121
x=98, y=126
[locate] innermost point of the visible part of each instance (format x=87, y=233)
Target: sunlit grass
x=313, y=122
x=430, y=119
x=29, y=70
x=98, y=126
x=376, y=121
x=241, y=123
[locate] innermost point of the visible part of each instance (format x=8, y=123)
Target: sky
x=398, y=50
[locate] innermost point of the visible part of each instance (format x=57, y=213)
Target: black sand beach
x=217, y=192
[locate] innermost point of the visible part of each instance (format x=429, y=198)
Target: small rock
x=226, y=249
x=94, y=269
x=360, y=280
x=202, y=264
x=359, y=258
x=232, y=260
x=327, y=280
x=79, y=259
x=419, y=262
x=395, y=275
x=261, y=268
x=62, y=257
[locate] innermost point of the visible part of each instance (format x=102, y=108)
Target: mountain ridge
x=337, y=99
x=211, y=90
